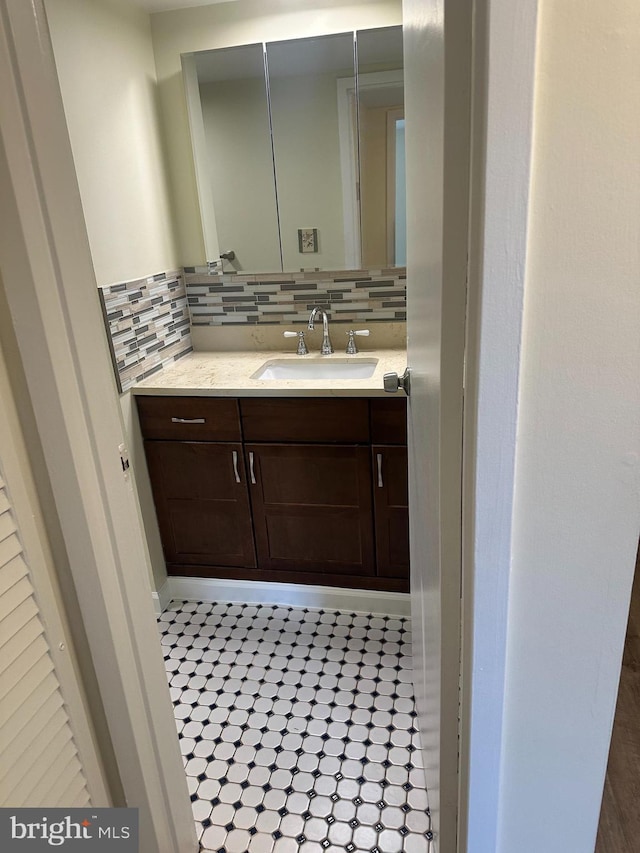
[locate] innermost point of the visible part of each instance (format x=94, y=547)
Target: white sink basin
x=316, y=368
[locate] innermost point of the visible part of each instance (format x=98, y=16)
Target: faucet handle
x=351, y=344
x=302, y=346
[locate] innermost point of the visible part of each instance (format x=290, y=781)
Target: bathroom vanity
x=284, y=483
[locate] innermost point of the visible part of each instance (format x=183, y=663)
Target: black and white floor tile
x=297, y=728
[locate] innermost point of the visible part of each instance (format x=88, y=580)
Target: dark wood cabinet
x=389, y=421
x=391, y=503
x=323, y=420
x=390, y=486
x=202, y=503
x=292, y=490
x=312, y=508
x=189, y=418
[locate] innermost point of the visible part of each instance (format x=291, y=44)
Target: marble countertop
x=231, y=374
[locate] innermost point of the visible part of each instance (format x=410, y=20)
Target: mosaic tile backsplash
x=347, y=295
x=148, y=324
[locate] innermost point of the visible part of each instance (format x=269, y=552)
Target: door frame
x=50, y=283
x=53, y=300
x=497, y=196
x=439, y=73
x=394, y=114
x=503, y=93
x=349, y=90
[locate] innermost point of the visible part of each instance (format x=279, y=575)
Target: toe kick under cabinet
x=297, y=490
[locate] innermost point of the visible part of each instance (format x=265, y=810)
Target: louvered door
x=39, y=764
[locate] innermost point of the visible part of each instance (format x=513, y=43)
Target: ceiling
x=164, y=5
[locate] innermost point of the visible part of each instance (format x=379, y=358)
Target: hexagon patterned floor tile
x=297, y=728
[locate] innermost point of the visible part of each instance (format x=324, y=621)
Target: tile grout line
x=296, y=727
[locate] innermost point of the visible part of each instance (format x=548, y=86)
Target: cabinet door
x=202, y=502
x=312, y=508
x=391, y=501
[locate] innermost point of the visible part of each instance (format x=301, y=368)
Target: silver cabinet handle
x=234, y=454
x=251, y=471
x=188, y=420
x=379, y=461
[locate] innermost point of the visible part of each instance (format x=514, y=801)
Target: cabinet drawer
x=389, y=421
x=189, y=418
x=305, y=419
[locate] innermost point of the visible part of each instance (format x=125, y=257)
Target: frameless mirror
x=299, y=155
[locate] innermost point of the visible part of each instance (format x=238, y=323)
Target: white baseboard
x=300, y=595
x=162, y=597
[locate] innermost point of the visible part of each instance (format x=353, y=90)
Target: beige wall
x=225, y=25
x=107, y=75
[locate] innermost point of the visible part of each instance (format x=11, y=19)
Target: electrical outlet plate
x=307, y=240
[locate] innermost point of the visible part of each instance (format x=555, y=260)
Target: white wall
x=576, y=507
x=226, y=25
x=107, y=75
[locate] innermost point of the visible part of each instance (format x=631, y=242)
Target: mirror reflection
x=305, y=79
x=299, y=152
x=381, y=134
x=238, y=164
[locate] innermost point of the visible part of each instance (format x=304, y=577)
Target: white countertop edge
x=229, y=374
x=290, y=391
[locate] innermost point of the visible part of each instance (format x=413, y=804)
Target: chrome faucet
x=326, y=348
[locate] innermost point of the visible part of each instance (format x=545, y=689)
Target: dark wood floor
x=619, y=830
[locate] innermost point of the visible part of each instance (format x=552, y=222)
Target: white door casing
x=503, y=97
x=52, y=296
